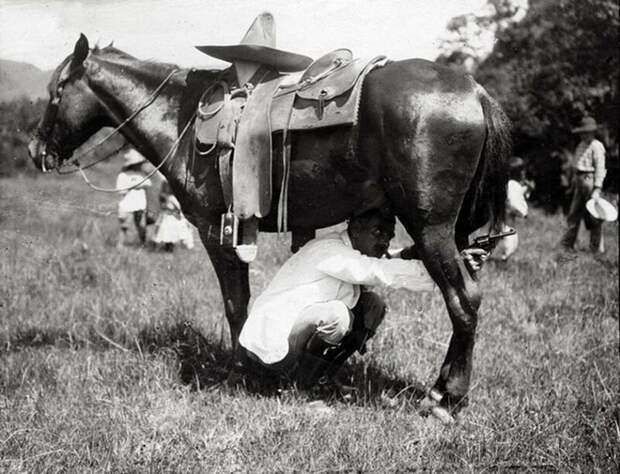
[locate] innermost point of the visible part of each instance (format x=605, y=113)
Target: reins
x=142, y=107
x=173, y=148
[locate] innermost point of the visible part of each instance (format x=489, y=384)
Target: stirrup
x=246, y=249
x=240, y=235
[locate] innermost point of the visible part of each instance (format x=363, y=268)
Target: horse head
x=73, y=112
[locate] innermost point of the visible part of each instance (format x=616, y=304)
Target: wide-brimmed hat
x=132, y=157
x=601, y=209
x=588, y=124
x=258, y=46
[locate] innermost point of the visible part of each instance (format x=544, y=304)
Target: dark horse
x=430, y=139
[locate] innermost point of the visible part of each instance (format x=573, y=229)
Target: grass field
x=100, y=373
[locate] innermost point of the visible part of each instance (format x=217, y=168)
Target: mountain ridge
x=19, y=79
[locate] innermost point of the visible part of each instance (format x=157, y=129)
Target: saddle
x=237, y=123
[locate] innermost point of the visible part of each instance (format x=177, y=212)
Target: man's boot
x=315, y=361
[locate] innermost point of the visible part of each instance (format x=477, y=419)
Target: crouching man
x=317, y=311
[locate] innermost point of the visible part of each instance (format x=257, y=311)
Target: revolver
x=489, y=241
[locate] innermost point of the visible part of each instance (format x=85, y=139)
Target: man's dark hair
x=385, y=212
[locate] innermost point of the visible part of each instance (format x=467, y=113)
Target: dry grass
x=98, y=371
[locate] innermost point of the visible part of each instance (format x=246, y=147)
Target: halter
x=51, y=113
x=49, y=121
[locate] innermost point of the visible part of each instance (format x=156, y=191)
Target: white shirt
x=134, y=199
x=590, y=157
x=324, y=269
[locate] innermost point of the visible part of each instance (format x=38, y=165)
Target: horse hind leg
x=430, y=218
x=462, y=297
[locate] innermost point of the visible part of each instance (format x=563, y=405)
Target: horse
x=431, y=139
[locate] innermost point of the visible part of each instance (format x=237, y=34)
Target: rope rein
x=90, y=165
x=142, y=107
x=171, y=152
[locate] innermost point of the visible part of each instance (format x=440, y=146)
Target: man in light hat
x=131, y=183
x=588, y=174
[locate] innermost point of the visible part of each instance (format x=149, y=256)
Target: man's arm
x=347, y=264
x=473, y=257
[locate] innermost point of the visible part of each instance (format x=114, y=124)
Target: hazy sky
x=44, y=32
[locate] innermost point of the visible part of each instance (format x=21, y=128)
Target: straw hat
x=132, y=157
x=258, y=46
x=601, y=209
x=588, y=124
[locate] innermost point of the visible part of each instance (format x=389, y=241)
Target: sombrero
x=258, y=46
x=588, y=124
x=602, y=210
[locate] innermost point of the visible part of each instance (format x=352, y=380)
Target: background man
x=315, y=313
x=588, y=175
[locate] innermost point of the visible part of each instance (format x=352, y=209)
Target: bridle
x=49, y=122
x=51, y=114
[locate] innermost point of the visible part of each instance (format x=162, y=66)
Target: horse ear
x=79, y=52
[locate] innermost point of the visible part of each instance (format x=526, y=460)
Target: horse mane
x=113, y=54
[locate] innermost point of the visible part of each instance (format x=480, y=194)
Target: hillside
x=19, y=79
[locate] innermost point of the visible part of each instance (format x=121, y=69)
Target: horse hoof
x=432, y=403
x=443, y=415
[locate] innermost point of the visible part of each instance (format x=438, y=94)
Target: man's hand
x=474, y=258
x=596, y=193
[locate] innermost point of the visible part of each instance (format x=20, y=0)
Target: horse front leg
x=233, y=277
x=462, y=296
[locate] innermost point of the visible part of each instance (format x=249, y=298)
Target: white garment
x=171, y=226
x=323, y=270
x=507, y=246
x=516, y=206
x=516, y=202
x=134, y=199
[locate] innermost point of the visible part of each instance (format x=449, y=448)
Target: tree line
x=548, y=69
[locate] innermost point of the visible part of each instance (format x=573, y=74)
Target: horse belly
x=322, y=188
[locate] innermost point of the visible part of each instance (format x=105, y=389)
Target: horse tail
x=485, y=201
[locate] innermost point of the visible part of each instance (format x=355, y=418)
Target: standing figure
x=131, y=182
x=171, y=227
x=317, y=311
x=516, y=207
x=588, y=175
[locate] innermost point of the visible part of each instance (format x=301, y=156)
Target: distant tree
x=559, y=62
x=470, y=37
x=548, y=70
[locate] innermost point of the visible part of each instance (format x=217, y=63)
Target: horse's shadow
x=204, y=364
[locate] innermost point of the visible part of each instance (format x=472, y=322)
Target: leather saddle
x=237, y=124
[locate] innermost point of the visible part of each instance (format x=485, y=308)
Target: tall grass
x=114, y=360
